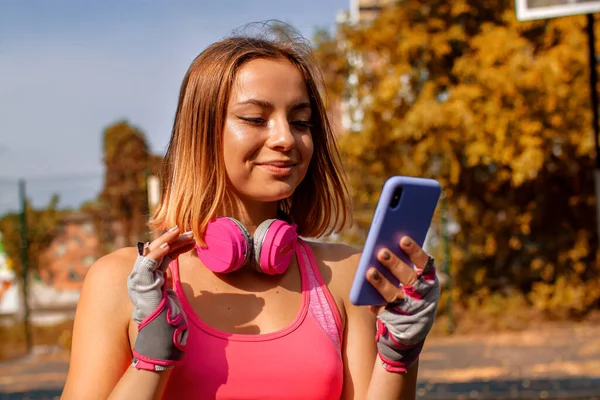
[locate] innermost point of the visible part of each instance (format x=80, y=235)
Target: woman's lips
x=278, y=168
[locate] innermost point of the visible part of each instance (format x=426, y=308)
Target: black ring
x=428, y=265
x=395, y=303
x=141, y=246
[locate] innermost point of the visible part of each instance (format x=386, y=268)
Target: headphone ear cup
x=227, y=245
x=259, y=238
x=274, y=246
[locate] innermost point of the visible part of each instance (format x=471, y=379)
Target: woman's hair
x=194, y=180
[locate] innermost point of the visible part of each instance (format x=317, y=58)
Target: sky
x=69, y=68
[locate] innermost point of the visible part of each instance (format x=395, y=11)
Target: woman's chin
x=266, y=192
x=274, y=197
x=270, y=196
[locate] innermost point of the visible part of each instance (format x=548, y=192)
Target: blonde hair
x=194, y=181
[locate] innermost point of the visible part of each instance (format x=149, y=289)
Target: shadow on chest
x=245, y=302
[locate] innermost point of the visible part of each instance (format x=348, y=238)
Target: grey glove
x=162, y=326
x=403, y=325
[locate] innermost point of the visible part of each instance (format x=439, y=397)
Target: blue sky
x=68, y=68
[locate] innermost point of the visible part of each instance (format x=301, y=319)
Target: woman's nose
x=281, y=136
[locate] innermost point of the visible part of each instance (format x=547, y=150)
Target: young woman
x=232, y=300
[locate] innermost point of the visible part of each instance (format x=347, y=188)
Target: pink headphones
x=229, y=245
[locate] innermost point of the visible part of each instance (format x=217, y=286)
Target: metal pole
x=594, y=102
x=148, y=187
x=447, y=261
x=25, y=263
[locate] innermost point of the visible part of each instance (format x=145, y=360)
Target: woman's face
x=267, y=142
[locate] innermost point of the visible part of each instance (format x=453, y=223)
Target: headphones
x=229, y=245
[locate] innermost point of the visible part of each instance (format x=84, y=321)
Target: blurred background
x=494, y=99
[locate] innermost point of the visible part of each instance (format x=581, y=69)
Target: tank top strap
x=322, y=306
x=172, y=278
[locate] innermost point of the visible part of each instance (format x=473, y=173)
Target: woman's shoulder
x=108, y=275
x=337, y=262
x=336, y=254
x=115, y=265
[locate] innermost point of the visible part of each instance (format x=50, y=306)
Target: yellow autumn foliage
x=497, y=111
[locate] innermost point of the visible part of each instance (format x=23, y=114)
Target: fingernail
x=385, y=255
x=189, y=233
x=376, y=275
x=164, y=245
x=407, y=242
x=173, y=228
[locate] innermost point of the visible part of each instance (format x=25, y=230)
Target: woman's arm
x=140, y=384
x=364, y=376
x=389, y=385
x=118, y=287
x=359, y=351
x=101, y=351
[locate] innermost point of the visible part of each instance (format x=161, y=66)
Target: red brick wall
x=66, y=261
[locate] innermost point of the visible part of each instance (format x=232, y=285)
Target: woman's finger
x=387, y=290
x=403, y=272
x=182, y=248
x=171, y=240
x=159, y=253
x=376, y=309
x=174, y=248
x=415, y=253
x=184, y=240
x=166, y=237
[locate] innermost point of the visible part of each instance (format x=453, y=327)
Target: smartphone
x=405, y=208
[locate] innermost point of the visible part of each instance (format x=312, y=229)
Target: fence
x=50, y=236
x=47, y=243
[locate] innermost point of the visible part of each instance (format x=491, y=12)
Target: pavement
x=551, y=362
x=39, y=376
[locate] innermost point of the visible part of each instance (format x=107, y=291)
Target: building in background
x=10, y=293
x=347, y=114
x=362, y=11
x=63, y=265
x=65, y=262
x=366, y=10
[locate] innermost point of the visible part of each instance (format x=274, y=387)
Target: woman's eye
x=253, y=120
x=302, y=124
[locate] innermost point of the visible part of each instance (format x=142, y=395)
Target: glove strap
x=149, y=365
x=395, y=356
x=152, y=330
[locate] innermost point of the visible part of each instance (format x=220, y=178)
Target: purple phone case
x=411, y=217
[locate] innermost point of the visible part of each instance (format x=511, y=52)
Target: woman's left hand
x=405, y=321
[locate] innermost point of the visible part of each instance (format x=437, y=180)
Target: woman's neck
x=251, y=214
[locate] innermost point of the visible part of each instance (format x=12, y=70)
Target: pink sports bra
x=300, y=361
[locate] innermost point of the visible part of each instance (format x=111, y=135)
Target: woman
x=228, y=302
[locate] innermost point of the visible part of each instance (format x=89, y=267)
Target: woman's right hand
x=162, y=326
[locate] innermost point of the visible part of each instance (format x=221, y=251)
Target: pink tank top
x=300, y=361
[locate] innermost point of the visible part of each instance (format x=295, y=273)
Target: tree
x=335, y=70
x=127, y=163
x=498, y=112
x=41, y=229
